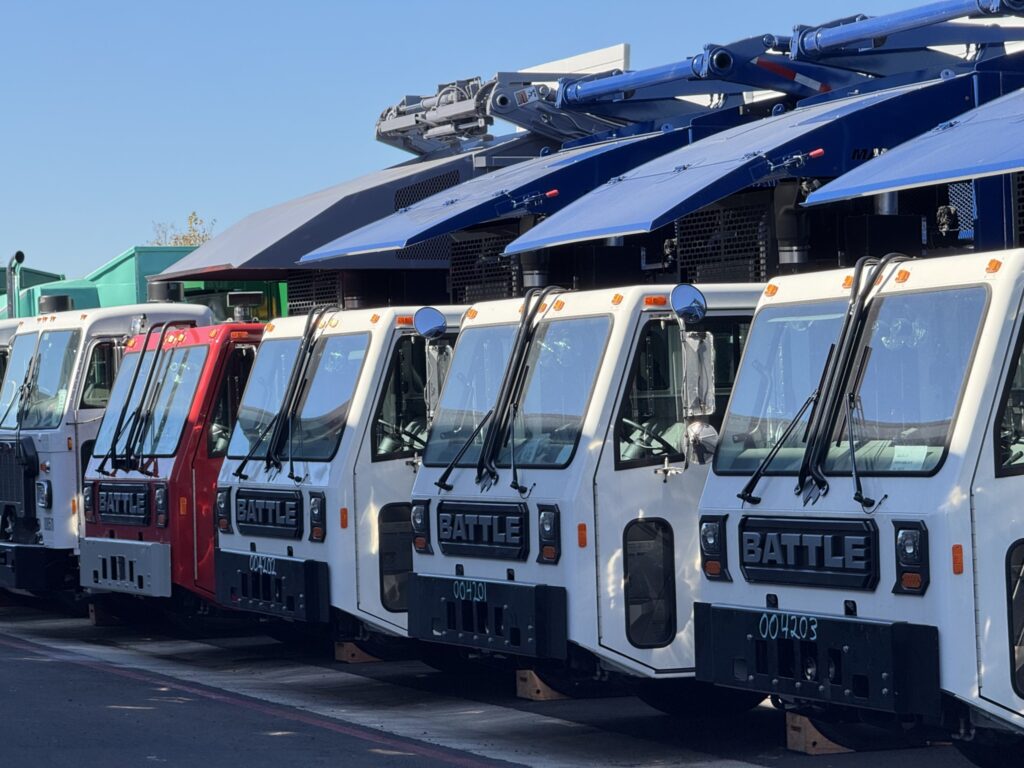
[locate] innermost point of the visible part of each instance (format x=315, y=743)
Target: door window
x=650, y=423
x=225, y=409
x=400, y=424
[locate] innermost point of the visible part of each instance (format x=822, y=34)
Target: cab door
x=209, y=454
x=998, y=533
x=646, y=511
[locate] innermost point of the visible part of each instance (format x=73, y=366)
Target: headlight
x=224, y=510
x=317, y=510
x=419, y=520
x=87, y=498
x=908, y=546
x=710, y=542
x=44, y=494
x=160, y=502
x=549, y=534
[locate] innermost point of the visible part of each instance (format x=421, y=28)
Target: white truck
x=312, y=503
x=55, y=389
x=554, y=518
x=861, y=541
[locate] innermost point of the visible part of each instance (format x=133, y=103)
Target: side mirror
x=698, y=383
x=430, y=323
x=688, y=303
x=702, y=440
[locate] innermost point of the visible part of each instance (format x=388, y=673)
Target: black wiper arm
x=240, y=469
x=442, y=481
x=858, y=493
x=515, y=485
x=747, y=494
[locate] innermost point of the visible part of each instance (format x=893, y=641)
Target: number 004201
x=787, y=626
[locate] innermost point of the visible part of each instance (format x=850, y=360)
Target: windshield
x=782, y=365
x=470, y=389
x=118, y=395
x=561, y=368
x=327, y=396
x=21, y=353
x=916, y=349
x=174, y=387
x=264, y=392
x=47, y=393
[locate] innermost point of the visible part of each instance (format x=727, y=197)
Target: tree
x=197, y=232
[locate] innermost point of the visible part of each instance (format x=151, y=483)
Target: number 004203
x=787, y=626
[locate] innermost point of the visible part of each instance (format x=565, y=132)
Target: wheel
x=694, y=698
x=996, y=752
x=865, y=737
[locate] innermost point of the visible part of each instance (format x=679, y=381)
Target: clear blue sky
x=119, y=114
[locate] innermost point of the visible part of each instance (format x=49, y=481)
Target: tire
x=992, y=753
x=694, y=698
x=864, y=737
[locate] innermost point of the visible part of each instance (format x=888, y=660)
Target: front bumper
x=889, y=667
x=286, y=587
x=36, y=568
x=499, y=616
x=133, y=567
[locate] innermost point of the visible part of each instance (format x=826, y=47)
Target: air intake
x=56, y=302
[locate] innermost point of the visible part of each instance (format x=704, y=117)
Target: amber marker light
x=902, y=276
x=213, y=333
x=557, y=306
x=655, y=301
x=617, y=299
x=848, y=281
x=581, y=535
x=958, y=559
x=471, y=313
x=993, y=266
x=344, y=517
x=911, y=581
x=770, y=290
x=374, y=318
x=404, y=320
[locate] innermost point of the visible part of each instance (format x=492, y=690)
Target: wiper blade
x=747, y=494
x=852, y=397
x=240, y=469
x=442, y=481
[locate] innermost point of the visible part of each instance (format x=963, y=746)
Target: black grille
x=308, y=288
x=12, y=477
x=961, y=197
x=413, y=193
x=479, y=271
x=725, y=243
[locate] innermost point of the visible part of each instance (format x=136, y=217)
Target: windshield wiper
x=122, y=425
x=852, y=396
x=18, y=394
x=240, y=469
x=747, y=494
x=290, y=400
x=442, y=481
x=515, y=485
x=486, y=471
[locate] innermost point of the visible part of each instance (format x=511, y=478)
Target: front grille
x=12, y=478
x=479, y=271
x=726, y=242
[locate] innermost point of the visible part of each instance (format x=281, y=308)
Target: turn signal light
x=549, y=534
x=223, y=524
x=655, y=301
x=911, y=581
x=712, y=568
x=420, y=542
x=317, y=516
x=549, y=553
x=419, y=518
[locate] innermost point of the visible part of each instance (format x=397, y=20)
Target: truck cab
x=55, y=389
x=887, y=587
x=554, y=519
x=313, y=498
x=151, y=482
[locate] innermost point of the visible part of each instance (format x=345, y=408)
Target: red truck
x=151, y=483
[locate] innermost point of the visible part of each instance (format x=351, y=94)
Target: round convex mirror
x=688, y=303
x=430, y=322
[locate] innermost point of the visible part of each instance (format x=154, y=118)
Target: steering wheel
x=662, y=443
x=402, y=432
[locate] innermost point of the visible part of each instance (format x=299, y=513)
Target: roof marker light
x=617, y=299
x=374, y=318
x=213, y=333
x=902, y=276
x=235, y=335
x=655, y=301
x=848, y=281
x=333, y=322
x=403, y=320
x=131, y=343
x=270, y=327
x=993, y=266
x=471, y=313
x=557, y=306
x=770, y=290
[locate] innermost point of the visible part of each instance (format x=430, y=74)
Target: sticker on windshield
x=908, y=458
